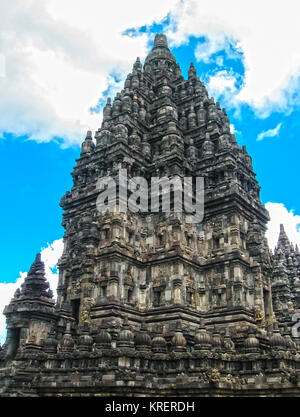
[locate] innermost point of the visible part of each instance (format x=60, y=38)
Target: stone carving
x=84, y=316
x=150, y=303
x=259, y=318
x=213, y=376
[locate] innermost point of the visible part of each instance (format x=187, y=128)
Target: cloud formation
x=223, y=82
x=270, y=133
x=59, y=56
x=266, y=33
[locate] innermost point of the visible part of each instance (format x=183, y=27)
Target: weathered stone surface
x=147, y=302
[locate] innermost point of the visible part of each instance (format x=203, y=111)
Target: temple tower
x=144, y=293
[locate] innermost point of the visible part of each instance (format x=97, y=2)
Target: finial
x=37, y=265
x=283, y=240
x=192, y=73
x=161, y=40
x=38, y=258
x=88, y=144
x=89, y=135
x=137, y=65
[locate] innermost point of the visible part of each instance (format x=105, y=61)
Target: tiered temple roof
x=148, y=302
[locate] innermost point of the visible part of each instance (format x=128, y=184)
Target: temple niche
x=148, y=302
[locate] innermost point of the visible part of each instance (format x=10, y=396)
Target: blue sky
x=34, y=178
x=59, y=63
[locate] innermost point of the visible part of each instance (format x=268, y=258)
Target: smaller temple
x=286, y=278
x=31, y=311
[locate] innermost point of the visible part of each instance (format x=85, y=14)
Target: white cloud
x=224, y=86
x=209, y=47
x=233, y=130
x=266, y=32
x=58, y=57
x=280, y=215
x=270, y=133
x=223, y=82
x=50, y=256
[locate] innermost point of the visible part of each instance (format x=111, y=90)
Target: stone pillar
x=237, y=286
x=177, y=283
x=142, y=297
x=113, y=284
x=202, y=297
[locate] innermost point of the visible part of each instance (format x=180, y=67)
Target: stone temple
x=149, y=304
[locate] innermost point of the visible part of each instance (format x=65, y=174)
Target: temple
x=149, y=303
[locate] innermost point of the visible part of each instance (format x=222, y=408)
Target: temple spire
x=35, y=284
x=88, y=144
x=160, y=40
x=283, y=243
x=160, y=57
x=137, y=65
x=192, y=73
